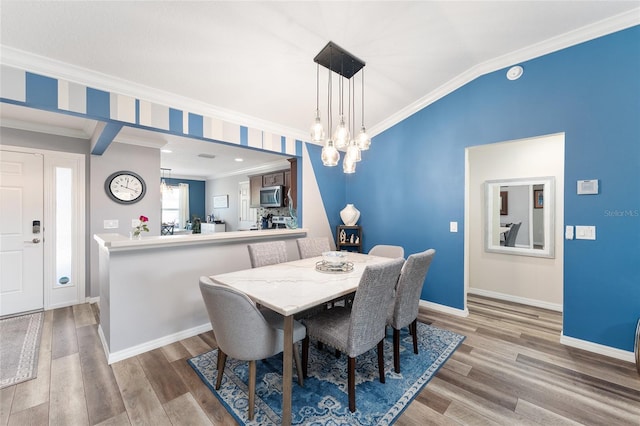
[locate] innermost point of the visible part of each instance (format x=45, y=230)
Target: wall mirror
x=520, y=216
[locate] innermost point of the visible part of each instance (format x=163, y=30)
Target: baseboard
x=597, y=348
x=152, y=344
x=445, y=309
x=93, y=300
x=516, y=299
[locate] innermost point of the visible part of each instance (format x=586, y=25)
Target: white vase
x=350, y=215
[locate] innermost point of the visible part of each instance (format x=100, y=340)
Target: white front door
x=21, y=247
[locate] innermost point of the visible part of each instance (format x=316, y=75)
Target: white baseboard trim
x=597, y=348
x=445, y=309
x=516, y=299
x=150, y=345
x=93, y=300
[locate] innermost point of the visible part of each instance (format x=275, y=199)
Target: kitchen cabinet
x=273, y=179
x=255, y=183
x=351, y=233
x=286, y=178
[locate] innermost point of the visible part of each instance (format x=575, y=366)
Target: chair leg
x=396, y=350
x=222, y=359
x=351, y=383
x=296, y=359
x=252, y=388
x=414, y=329
x=381, y=360
x=305, y=355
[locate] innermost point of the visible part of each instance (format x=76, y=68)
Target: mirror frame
x=492, y=211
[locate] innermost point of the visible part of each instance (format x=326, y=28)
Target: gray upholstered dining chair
x=245, y=332
x=267, y=253
x=387, y=251
x=404, y=309
x=312, y=246
x=510, y=239
x=357, y=329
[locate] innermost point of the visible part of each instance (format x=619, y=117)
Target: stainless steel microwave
x=272, y=196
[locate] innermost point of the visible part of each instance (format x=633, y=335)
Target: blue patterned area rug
x=323, y=399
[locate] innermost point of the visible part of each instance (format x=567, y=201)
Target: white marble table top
x=292, y=287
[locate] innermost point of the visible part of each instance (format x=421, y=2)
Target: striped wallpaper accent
x=41, y=92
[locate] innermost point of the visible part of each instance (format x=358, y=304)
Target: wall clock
x=125, y=187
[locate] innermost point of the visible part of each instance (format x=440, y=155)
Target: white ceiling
x=252, y=62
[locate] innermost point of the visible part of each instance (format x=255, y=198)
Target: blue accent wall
x=98, y=103
x=41, y=91
x=410, y=185
x=197, y=196
x=176, y=123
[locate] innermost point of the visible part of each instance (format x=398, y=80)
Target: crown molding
x=590, y=32
x=46, y=128
x=61, y=70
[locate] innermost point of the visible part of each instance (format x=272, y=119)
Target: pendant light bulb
x=317, y=131
x=341, y=135
x=353, y=152
x=330, y=155
x=364, y=142
x=348, y=165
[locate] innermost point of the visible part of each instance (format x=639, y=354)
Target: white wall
x=141, y=160
x=525, y=279
x=225, y=186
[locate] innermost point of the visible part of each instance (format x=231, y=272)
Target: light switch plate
x=585, y=232
x=568, y=232
x=453, y=226
x=111, y=224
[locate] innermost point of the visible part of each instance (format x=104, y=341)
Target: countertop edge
x=118, y=242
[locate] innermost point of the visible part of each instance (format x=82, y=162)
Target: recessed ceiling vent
x=206, y=155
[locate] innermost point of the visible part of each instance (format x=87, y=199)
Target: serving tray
x=333, y=268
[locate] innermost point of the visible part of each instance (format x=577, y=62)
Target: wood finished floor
x=510, y=370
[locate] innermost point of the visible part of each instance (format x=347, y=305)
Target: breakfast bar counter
x=149, y=294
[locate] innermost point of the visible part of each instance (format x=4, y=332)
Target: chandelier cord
x=362, y=95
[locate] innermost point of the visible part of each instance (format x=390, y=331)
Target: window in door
x=64, y=227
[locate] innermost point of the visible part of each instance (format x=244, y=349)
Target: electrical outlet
x=453, y=226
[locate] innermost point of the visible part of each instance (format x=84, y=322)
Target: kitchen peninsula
x=149, y=294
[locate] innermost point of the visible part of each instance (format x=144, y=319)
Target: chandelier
x=346, y=66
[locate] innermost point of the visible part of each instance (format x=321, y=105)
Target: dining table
x=292, y=287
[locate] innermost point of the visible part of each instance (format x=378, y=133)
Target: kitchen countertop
x=114, y=242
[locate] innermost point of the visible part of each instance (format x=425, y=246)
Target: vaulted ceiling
x=252, y=62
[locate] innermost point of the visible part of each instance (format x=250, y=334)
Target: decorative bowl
x=334, y=257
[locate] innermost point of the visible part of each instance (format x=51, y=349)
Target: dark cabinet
x=255, y=183
x=352, y=236
x=273, y=179
x=285, y=178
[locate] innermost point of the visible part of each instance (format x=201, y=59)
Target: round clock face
x=125, y=187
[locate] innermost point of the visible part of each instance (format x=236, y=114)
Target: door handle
x=35, y=241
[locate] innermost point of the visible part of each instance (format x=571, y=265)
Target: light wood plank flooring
x=510, y=370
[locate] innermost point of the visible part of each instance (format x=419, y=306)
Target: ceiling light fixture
x=163, y=184
x=339, y=61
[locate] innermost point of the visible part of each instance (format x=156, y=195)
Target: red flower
x=144, y=219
